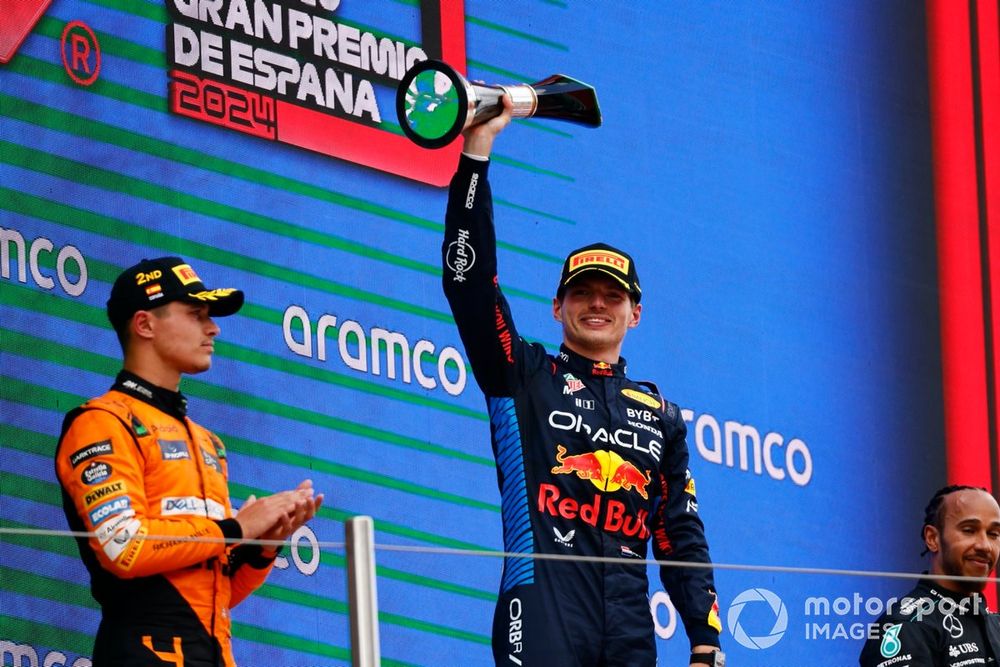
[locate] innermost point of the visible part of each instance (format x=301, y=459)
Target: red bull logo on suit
x=607, y=470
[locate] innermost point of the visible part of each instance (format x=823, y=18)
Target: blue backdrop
x=766, y=163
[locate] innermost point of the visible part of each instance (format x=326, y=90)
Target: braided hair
x=932, y=513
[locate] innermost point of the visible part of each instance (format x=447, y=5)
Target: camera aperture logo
x=758, y=618
x=758, y=603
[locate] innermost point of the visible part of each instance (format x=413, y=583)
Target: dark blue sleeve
x=500, y=359
x=679, y=534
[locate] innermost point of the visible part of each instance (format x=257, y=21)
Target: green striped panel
x=17, y=295
x=143, y=54
x=77, y=218
x=22, y=392
x=52, y=305
x=67, y=592
x=28, y=632
x=310, y=600
x=535, y=212
x=67, y=308
x=47, y=588
x=62, y=121
x=158, y=13
x=52, y=28
x=63, y=546
x=105, y=179
x=544, y=127
x=44, y=445
x=17, y=391
x=511, y=32
x=67, y=546
x=48, y=493
x=154, y=11
x=511, y=162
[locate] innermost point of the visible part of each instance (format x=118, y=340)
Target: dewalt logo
x=102, y=492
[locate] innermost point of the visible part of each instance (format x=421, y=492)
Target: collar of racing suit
x=589, y=367
x=967, y=601
x=171, y=402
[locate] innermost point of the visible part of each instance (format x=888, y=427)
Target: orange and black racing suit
x=131, y=465
x=589, y=463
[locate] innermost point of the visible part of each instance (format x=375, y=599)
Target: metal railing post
x=362, y=596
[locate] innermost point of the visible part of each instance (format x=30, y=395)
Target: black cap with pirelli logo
x=156, y=282
x=605, y=259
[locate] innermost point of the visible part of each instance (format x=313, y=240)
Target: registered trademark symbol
x=81, y=53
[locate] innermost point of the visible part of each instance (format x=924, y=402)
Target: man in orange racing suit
x=147, y=481
x=589, y=462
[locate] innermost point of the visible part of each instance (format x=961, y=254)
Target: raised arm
x=470, y=267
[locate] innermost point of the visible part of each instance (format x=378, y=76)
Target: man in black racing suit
x=944, y=622
x=589, y=462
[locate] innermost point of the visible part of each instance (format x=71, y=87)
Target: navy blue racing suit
x=589, y=462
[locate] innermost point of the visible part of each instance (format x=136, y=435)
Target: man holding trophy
x=589, y=462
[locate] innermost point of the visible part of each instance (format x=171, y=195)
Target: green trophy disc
x=431, y=105
x=434, y=103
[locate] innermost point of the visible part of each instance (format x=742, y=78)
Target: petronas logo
x=890, y=641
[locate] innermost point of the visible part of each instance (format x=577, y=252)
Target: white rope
x=485, y=553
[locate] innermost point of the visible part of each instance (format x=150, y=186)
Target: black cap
x=156, y=282
x=606, y=259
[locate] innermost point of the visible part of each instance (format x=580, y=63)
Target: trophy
x=435, y=103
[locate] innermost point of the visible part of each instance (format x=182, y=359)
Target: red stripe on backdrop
x=959, y=252
x=453, y=34
x=988, y=34
x=376, y=148
x=372, y=147
x=964, y=74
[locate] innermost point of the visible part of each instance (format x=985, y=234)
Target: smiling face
x=595, y=312
x=966, y=541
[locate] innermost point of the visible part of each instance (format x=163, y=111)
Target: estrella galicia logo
x=890, y=641
x=173, y=450
x=774, y=606
x=95, y=473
